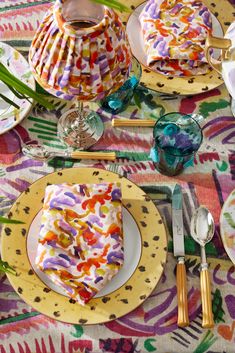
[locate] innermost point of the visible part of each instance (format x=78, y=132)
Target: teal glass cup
x=177, y=137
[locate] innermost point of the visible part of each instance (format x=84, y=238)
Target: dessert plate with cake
x=92, y=248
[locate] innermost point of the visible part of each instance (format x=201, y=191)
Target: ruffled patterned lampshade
x=73, y=57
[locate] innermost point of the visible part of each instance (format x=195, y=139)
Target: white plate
x=227, y=225
x=136, y=40
x=19, y=67
x=132, y=253
x=145, y=255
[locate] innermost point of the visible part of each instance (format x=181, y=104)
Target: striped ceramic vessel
x=80, y=50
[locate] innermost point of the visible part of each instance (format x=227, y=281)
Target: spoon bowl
x=202, y=226
x=38, y=152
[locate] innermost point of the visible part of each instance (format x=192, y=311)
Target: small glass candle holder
x=119, y=100
x=177, y=137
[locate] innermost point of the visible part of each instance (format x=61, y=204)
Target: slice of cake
x=81, y=238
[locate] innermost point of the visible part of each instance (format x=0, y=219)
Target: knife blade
x=179, y=253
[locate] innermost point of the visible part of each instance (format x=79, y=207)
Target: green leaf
x=3, y=68
x=41, y=90
x=5, y=220
x=21, y=87
x=114, y=4
x=9, y=101
x=17, y=94
x=5, y=267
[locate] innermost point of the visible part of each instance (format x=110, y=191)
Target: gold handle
x=217, y=43
x=207, y=314
x=133, y=122
x=183, y=319
x=108, y=156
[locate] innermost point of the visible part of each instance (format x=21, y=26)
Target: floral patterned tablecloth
x=151, y=327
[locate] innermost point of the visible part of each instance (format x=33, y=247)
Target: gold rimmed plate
x=221, y=16
x=145, y=244
x=227, y=225
x=10, y=116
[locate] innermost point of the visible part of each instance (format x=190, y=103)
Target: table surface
x=151, y=327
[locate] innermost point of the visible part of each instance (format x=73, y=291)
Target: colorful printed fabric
x=152, y=327
x=88, y=63
x=81, y=240
x=174, y=34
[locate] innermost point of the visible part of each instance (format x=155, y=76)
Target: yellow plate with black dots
x=223, y=16
x=144, y=262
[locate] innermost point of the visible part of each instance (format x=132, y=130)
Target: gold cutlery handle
x=207, y=314
x=221, y=43
x=133, y=122
x=108, y=156
x=183, y=319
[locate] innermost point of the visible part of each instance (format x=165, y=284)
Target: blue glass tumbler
x=119, y=100
x=177, y=137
